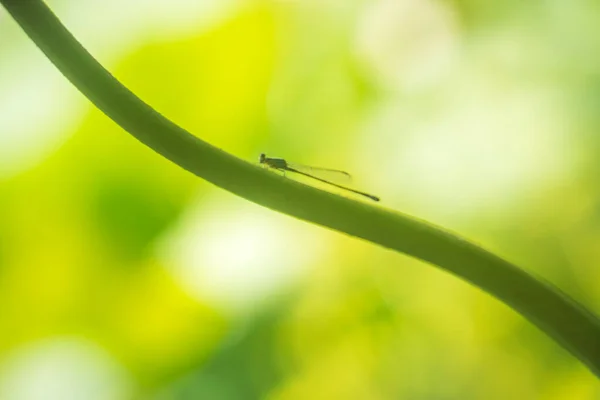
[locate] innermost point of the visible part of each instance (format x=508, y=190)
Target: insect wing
x=332, y=175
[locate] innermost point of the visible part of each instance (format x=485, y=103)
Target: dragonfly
x=316, y=173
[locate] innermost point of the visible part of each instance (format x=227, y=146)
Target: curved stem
x=569, y=323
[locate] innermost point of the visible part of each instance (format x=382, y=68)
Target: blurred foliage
x=82, y=232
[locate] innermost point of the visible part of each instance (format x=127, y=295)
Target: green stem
x=569, y=323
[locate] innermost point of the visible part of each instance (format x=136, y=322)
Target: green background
x=122, y=275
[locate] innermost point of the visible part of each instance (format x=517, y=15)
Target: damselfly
x=312, y=172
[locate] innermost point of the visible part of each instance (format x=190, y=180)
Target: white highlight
x=410, y=44
x=239, y=255
x=485, y=149
x=62, y=369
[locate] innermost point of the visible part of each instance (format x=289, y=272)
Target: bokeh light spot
x=62, y=369
x=239, y=255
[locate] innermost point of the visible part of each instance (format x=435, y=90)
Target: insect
x=282, y=165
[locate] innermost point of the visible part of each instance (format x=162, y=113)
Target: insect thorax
x=278, y=163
